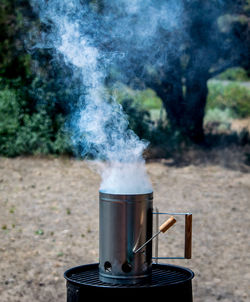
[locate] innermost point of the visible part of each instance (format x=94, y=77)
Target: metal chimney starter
x=125, y=225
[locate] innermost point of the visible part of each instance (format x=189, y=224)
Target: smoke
x=94, y=38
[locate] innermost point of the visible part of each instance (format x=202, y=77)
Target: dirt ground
x=49, y=223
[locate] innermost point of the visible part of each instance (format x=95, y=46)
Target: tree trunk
x=170, y=91
x=195, y=102
x=185, y=113
x=172, y=98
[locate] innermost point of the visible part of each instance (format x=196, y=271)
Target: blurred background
x=200, y=99
x=195, y=113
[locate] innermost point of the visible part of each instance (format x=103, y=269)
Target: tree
x=215, y=37
x=174, y=60
x=178, y=60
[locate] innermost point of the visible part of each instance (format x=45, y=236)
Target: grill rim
x=92, y=268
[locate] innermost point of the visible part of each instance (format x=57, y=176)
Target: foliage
x=16, y=18
x=211, y=37
x=34, y=101
x=146, y=99
x=234, y=74
x=22, y=132
x=232, y=96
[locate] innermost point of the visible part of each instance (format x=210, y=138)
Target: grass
x=39, y=232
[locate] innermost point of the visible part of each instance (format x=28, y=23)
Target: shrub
x=146, y=99
x=232, y=96
x=24, y=132
x=10, y=111
x=234, y=74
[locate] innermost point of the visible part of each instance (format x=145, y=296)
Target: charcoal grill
x=173, y=281
x=125, y=255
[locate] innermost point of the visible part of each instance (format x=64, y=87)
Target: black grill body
x=174, y=282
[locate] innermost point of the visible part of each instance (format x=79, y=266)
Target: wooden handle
x=188, y=236
x=167, y=224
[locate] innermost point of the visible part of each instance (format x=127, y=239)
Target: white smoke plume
x=90, y=42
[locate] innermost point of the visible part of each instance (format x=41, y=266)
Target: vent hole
x=126, y=267
x=107, y=266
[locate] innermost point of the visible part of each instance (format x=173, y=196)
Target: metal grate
x=162, y=275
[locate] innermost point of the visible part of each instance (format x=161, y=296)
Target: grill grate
x=162, y=275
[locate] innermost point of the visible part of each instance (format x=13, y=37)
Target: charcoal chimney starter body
x=125, y=225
